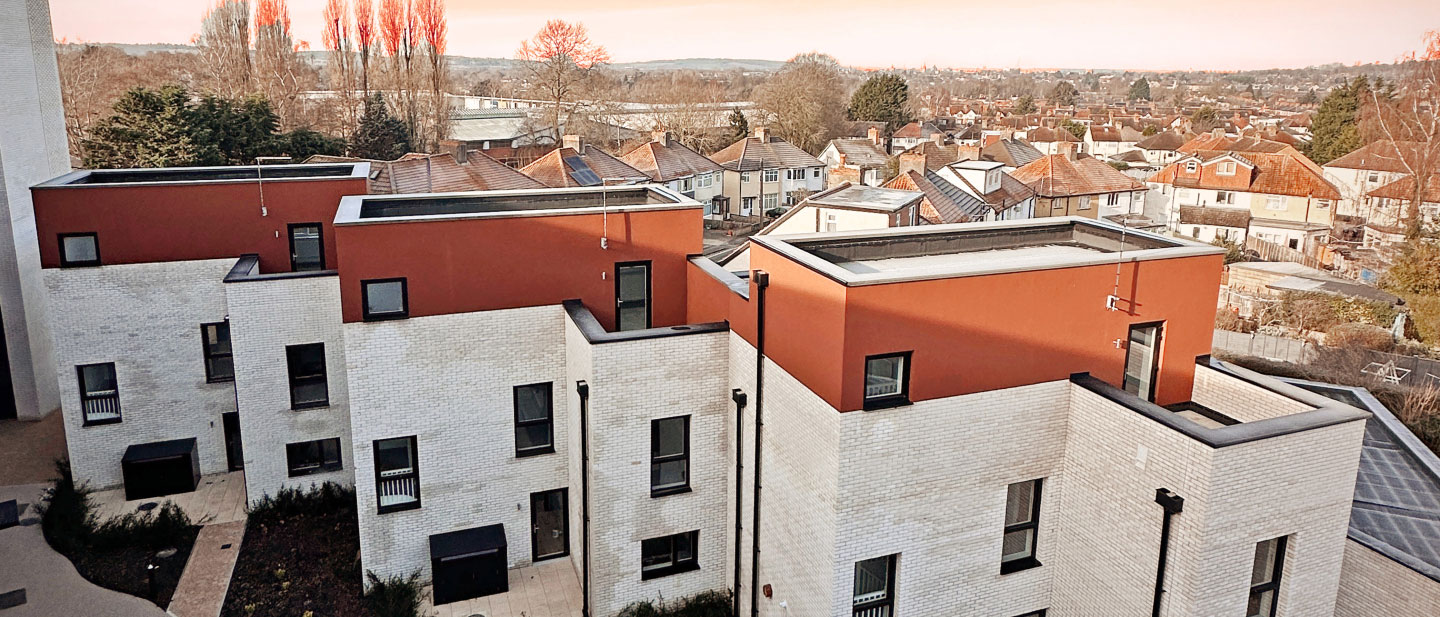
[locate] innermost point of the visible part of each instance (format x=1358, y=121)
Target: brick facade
x=1373, y=584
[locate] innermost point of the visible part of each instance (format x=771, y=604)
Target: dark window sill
x=415, y=505
x=384, y=316
x=527, y=453
x=83, y=264
x=230, y=379
x=311, y=472
x=675, y=569
x=669, y=491
x=886, y=403
x=1009, y=567
x=100, y=422
x=304, y=406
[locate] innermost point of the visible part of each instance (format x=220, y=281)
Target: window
x=874, y=592
x=686, y=185
x=1322, y=203
x=747, y=205
x=1295, y=243
x=1039, y=613
x=770, y=175
x=829, y=222
x=385, y=299
x=308, y=387
x=1084, y=202
x=215, y=343
x=78, y=250
x=1225, y=197
x=703, y=181
x=887, y=380
x=1195, y=232
x=1112, y=199
x=669, y=555
x=669, y=456
x=397, y=474
x=1374, y=177
x=771, y=201
x=307, y=250
x=1274, y=202
x=745, y=177
x=1022, y=520
x=534, y=419
x=99, y=394
x=309, y=457
x=795, y=174
x=1191, y=166
x=1225, y=168
x=815, y=172
x=1142, y=360
x=1265, y=578
x=632, y=295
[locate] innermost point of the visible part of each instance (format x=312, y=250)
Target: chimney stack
x=762, y=133
x=573, y=142
x=874, y=134
x=912, y=161
x=938, y=137
x=1067, y=148
x=842, y=160
x=664, y=138
x=1217, y=132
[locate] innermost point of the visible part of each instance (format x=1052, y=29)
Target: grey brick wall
x=146, y=319
x=1373, y=584
x=265, y=317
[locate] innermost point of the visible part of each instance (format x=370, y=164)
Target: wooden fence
x=1269, y=251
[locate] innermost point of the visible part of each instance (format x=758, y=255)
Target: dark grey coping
x=158, y=450
x=596, y=334
x=226, y=174
x=730, y=279
x=244, y=271
x=1326, y=413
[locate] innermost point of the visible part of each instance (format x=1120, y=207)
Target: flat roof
x=369, y=209
x=209, y=175
x=970, y=249
x=861, y=197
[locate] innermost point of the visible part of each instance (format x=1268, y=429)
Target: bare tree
x=365, y=41
x=1410, y=120
x=433, y=28
x=224, y=44
x=559, y=58
x=336, y=37
x=805, y=101
x=277, y=62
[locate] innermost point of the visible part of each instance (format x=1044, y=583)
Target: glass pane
x=669, y=437
x=99, y=379
x=331, y=450
x=217, y=338
x=684, y=547
x=80, y=248
x=306, y=360
x=383, y=298
x=393, y=455
x=633, y=282
x=532, y=436
x=882, y=376
x=222, y=367
x=1260, y=604
x=1140, y=361
x=633, y=318
x=310, y=391
x=655, y=553
x=1017, y=545
x=669, y=474
x=872, y=579
x=1018, y=502
x=1264, y=568
x=533, y=402
x=306, y=243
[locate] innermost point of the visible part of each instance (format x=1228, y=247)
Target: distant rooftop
x=528, y=202
x=863, y=197
x=205, y=175
x=970, y=249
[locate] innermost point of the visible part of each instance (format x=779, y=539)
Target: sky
x=1033, y=34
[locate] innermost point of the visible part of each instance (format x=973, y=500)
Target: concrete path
x=52, y=586
x=547, y=589
x=201, y=592
x=28, y=449
x=220, y=498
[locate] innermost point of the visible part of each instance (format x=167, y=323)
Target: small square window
x=310, y=457
x=534, y=419
x=669, y=555
x=385, y=299
x=1191, y=166
x=887, y=380
x=669, y=456
x=79, y=250
x=308, y=385
x=99, y=394
x=219, y=361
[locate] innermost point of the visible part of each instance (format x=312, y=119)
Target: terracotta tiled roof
x=1404, y=189
x=558, y=168
x=1057, y=175
x=1209, y=142
x=1273, y=174
x=413, y=173
x=1046, y=134
x=1104, y=133
x=1382, y=155
x=753, y=154
x=1219, y=216
x=492, y=175
x=1164, y=140
x=936, y=155
x=946, y=202
x=669, y=160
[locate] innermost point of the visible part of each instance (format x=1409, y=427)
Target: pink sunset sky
x=1158, y=35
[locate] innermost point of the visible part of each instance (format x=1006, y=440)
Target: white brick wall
x=1373, y=584
x=448, y=380
x=146, y=319
x=1241, y=400
x=265, y=317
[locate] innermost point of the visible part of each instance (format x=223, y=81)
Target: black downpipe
x=584, y=390
x=739, y=398
x=762, y=281
x=1172, y=504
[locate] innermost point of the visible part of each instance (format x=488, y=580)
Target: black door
x=632, y=295
x=1142, y=360
x=233, y=454
x=549, y=521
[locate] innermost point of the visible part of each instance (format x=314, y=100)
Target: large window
x=874, y=594
x=307, y=457
x=669, y=555
x=397, y=474
x=215, y=344
x=669, y=456
x=770, y=201
x=307, y=249
x=534, y=419
x=1142, y=360
x=77, y=250
x=1022, y=521
x=1225, y=197
x=1274, y=202
x=887, y=380
x=1225, y=168
x=1265, y=578
x=99, y=393
x=308, y=387
x=632, y=295
x=770, y=175
x=384, y=299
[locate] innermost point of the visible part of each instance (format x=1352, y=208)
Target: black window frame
x=649, y=292
x=365, y=299
x=658, y=459
x=1156, y=351
x=676, y=565
x=210, y=354
x=1032, y=526
x=320, y=239
x=1039, y=613
x=323, y=377
x=890, y=400
x=71, y=263
x=549, y=421
x=414, y=473
x=1271, y=586
x=86, y=397
x=323, y=466
x=880, y=606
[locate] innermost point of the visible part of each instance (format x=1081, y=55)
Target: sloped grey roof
x=753, y=154
x=1012, y=152
x=861, y=152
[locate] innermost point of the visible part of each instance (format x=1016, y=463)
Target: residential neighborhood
x=339, y=311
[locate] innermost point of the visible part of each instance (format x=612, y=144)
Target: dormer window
x=1191, y=166
x=1225, y=168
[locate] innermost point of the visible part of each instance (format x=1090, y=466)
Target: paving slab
x=201, y=592
x=29, y=449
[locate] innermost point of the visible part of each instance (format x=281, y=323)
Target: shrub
x=291, y=501
x=1358, y=335
x=394, y=596
x=1226, y=319
x=1308, y=311
x=163, y=528
x=703, y=604
x=66, y=514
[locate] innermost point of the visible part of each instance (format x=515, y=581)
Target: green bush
x=291, y=501
x=71, y=526
x=1226, y=319
x=66, y=514
x=394, y=596
x=703, y=604
x=163, y=528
